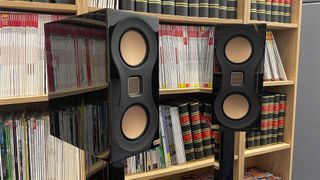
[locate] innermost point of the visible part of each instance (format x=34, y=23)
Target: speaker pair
x=131, y=56
x=238, y=75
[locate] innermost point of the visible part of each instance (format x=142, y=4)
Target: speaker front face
x=238, y=73
x=134, y=90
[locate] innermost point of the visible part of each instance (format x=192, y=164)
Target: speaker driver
x=133, y=48
x=236, y=106
x=134, y=122
x=238, y=49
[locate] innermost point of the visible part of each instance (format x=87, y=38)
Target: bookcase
x=274, y=158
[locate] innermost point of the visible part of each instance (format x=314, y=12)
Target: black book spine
x=257, y=139
x=232, y=9
x=127, y=5
x=222, y=8
x=261, y=10
x=268, y=10
x=154, y=6
x=287, y=11
x=270, y=119
x=275, y=119
x=264, y=120
x=275, y=11
x=181, y=7
x=204, y=8
x=214, y=8
x=250, y=139
x=168, y=6
x=206, y=130
x=281, y=11
x=253, y=10
x=196, y=130
x=194, y=8
x=282, y=115
x=142, y=5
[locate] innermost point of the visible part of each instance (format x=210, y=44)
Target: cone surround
x=133, y=47
x=236, y=106
x=238, y=49
x=134, y=122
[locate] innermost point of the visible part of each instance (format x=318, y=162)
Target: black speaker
x=125, y=120
x=238, y=75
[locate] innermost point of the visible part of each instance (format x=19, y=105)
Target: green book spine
x=232, y=9
x=203, y=8
x=214, y=8
x=168, y=6
x=264, y=120
x=282, y=114
x=9, y=158
x=257, y=139
x=253, y=10
x=250, y=139
x=142, y=5
x=181, y=7
x=275, y=125
x=223, y=8
x=275, y=11
x=268, y=10
x=287, y=11
x=127, y=5
x=154, y=6
x=261, y=10
x=270, y=118
x=194, y=8
x=281, y=11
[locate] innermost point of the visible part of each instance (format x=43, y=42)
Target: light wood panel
x=266, y=149
x=39, y=6
x=23, y=99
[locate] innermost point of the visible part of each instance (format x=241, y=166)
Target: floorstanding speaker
x=238, y=83
x=112, y=47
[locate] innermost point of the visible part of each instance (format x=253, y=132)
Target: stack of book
x=185, y=135
x=112, y=4
x=256, y=173
x=273, y=67
x=76, y=57
x=28, y=151
x=272, y=122
x=186, y=56
x=195, y=8
x=23, y=65
x=271, y=10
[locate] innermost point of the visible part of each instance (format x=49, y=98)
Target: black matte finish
x=226, y=155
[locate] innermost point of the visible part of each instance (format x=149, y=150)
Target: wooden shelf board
x=77, y=91
x=96, y=167
x=166, y=18
x=208, y=90
x=266, y=149
x=23, y=99
x=275, y=25
x=172, y=170
x=39, y=6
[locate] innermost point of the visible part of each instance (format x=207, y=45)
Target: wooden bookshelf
x=266, y=149
x=39, y=7
x=23, y=99
x=276, y=25
x=96, y=167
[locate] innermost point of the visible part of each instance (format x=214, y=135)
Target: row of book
x=112, y=4
x=186, y=55
x=257, y=173
x=76, y=57
x=271, y=10
x=185, y=135
x=195, y=8
x=23, y=66
x=272, y=122
x=28, y=151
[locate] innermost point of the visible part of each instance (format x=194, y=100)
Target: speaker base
x=226, y=159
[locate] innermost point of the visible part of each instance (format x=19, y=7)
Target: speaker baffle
x=133, y=47
x=238, y=49
x=134, y=122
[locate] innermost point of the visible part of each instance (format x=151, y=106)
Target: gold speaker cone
x=236, y=106
x=133, y=48
x=238, y=50
x=134, y=122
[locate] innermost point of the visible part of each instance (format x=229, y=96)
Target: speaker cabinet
x=238, y=75
x=126, y=120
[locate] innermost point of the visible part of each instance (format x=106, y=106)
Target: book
x=253, y=10
x=261, y=10
x=275, y=11
x=112, y=4
x=256, y=139
x=181, y=7
x=287, y=11
x=282, y=115
x=250, y=139
x=141, y=5
x=203, y=8
x=281, y=11
x=127, y=5
x=154, y=6
x=194, y=8
x=223, y=9
x=275, y=120
x=196, y=129
x=270, y=118
x=264, y=120
x=256, y=173
x=232, y=9
x=214, y=8
x=177, y=135
x=206, y=120
x=268, y=10
x=168, y=7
